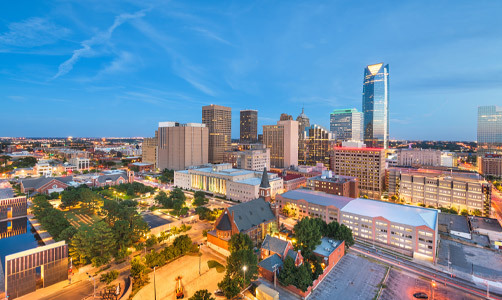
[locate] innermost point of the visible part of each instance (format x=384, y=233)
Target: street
x=496, y=205
x=77, y=291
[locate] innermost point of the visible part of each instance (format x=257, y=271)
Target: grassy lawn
x=108, y=193
x=80, y=216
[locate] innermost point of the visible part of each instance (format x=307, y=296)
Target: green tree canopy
x=202, y=295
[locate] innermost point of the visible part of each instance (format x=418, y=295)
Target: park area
x=80, y=217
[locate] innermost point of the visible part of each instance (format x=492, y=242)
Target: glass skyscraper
x=490, y=129
x=346, y=124
x=376, y=106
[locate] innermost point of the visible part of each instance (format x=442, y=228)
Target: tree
x=139, y=272
x=70, y=197
x=477, y=213
x=202, y=295
x=303, y=277
x=229, y=286
x=464, y=212
x=288, y=272
x=289, y=211
x=163, y=200
x=237, y=260
x=200, y=199
x=94, y=243
x=340, y=232
x=240, y=241
x=308, y=233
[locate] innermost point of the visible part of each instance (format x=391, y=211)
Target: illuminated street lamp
x=244, y=269
x=433, y=285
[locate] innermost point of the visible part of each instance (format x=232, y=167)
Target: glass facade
x=249, y=126
x=490, y=129
x=346, y=124
x=376, y=105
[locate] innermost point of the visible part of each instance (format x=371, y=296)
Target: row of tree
x=175, y=201
x=135, y=188
x=52, y=220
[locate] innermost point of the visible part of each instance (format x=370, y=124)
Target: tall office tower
x=346, y=124
x=282, y=139
x=367, y=164
x=318, y=144
x=149, y=150
x=219, y=121
x=376, y=106
x=182, y=145
x=249, y=126
x=490, y=129
x=303, y=124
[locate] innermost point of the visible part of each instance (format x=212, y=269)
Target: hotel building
x=282, y=139
x=236, y=184
x=367, y=164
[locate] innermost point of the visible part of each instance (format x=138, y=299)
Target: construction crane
x=179, y=289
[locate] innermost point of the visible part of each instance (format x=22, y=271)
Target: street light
x=94, y=283
x=200, y=258
x=154, y=286
x=433, y=285
x=244, y=269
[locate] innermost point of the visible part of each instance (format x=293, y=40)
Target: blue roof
x=317, y=197
x=327, y=246
x=398, y=213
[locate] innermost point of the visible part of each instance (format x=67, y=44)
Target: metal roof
x=251, y=213
x=274, y=244
x=271, y=261
x=317, y=197
x=398, y=213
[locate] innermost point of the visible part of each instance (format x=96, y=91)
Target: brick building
x=45, y=185
x=347, y=186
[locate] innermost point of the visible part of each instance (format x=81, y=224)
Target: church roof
x=264, y=179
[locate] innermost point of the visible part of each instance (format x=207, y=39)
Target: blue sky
x=105, y=68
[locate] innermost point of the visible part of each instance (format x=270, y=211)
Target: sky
x=117, y=68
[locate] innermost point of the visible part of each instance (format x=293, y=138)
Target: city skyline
x=93, y=81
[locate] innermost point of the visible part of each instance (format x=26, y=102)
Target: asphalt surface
x=402, y=285
x=354, y=277
x=153, y=220
x=78, y=291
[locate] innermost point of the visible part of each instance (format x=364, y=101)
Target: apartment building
x=441, y=188
x=366, y=164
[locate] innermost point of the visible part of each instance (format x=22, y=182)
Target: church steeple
x=265, y=189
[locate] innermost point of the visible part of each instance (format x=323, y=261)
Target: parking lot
x=484, y=263
x=402, y=285
x=354, y=277
x=153, y=220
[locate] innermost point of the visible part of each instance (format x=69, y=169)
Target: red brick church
x=256, y=218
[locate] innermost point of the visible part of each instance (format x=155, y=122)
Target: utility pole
x=154, y=285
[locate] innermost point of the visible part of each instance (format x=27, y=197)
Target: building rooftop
x=327, y=246
x=274, y=244
x=441, y=174
x=485, y=224
x=334, y=178
x=36, y=183
x=317, y=197
x=251, y=213
x=454, y=222
x=141, y=164
x=271, y=261
x=398, y=213
x=6, y=193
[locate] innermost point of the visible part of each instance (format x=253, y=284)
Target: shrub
x=109, y=276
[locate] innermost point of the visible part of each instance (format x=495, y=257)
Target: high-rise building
x=367, y=164
x=249, y=126
x=218, y=120
x=303, y=124
x=490, y=129
x=149, y=150
x=318, y=144
x=346, y=124
x=376, y=106
x=182, y=145
x=282, y=139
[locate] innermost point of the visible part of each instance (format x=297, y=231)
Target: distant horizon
x=79, y=68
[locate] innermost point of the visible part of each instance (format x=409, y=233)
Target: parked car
x=421, y=295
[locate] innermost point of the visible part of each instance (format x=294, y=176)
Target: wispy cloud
x=32, y=32
x=316, y=100
x=100, y=38
x=181, y=65
x=211, y=35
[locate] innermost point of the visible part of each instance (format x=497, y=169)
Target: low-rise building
x=489, y=227
x=490, y=165
x=347, y=186
x=255, y=159
x=111, y=179
x=142, y=166
x=222, y=179
x=45, y=185
x=82, y=163
x=441, y=188
x=454, y=225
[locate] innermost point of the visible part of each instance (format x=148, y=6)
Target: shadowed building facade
x=376, y=105
x=249, y=126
